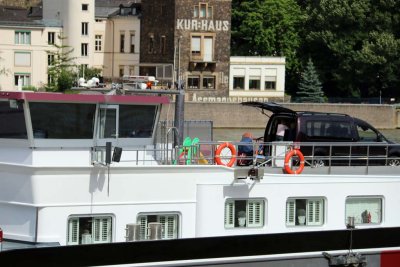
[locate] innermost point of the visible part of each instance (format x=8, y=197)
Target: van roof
x=276, y=108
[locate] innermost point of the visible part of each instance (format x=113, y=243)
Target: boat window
x=12, y=121
x=89, y=230
x=108, y=122
x=62, y=120
x=364, y=210
x=136, y=121
x=244, y=213
x=305, y=212
x=149, y=222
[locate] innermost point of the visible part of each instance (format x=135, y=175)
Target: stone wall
x=234, y=115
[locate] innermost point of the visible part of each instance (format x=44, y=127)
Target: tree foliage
x=310, y=89
x=266, y=28
x=62, y=64
x=355, y=44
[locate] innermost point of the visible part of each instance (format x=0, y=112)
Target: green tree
x=65, y=81
x=310, y=89
x=61, y=64
x=266, y=28
x=355, y=45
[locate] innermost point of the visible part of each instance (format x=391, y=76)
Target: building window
x=22, y=59
x=194, y=82
x=122, y=42
x=50, y=60
x=98, y=42
x=51, y=37
x=168, y=223
x=209, y=82
x=196, y=46
x=85, y=28
x=270, y=83
x=22, y=79
x=131, y=70
x=132, y=40
x=121, y=71
x=22, y=37
x=301, y=212
x=85, y=7
x=365, y=210
x=89, y=230
x=151, y=43
x=202, y=47
x=254, y=83
x=203, y=10
x=84, y=50
x=238, y=83
x=244, y=213
x=163, y=45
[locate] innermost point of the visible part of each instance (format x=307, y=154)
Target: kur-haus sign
x=202, y=25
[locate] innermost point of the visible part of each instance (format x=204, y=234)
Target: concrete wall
x=234, y=115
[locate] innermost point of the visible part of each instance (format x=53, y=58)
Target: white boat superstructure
x=60, y=184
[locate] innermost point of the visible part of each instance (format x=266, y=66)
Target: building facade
x=193, y=36
x=180, y=42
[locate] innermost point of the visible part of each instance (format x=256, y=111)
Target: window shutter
x=229, y=212
x=73, y=231
x=168, y=226
x=290, y=210
x=106, y=230
x=96, y=230
x=255, y=213
x=196, y=43
x=314, y=212
x=143, y=227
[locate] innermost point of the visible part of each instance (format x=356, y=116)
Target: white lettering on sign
x=202, y=25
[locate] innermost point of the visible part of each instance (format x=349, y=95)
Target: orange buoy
x=218, y=151
x=288, y=157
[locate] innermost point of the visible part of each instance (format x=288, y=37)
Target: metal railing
x=272, y=155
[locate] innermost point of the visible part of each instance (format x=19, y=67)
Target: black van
x=371, y=147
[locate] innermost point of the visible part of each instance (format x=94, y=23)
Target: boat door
x=107, y=123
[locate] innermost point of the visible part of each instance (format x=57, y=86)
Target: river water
x=230, y=134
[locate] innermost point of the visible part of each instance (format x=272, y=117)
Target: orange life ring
x=218, y=154
x=294, y=152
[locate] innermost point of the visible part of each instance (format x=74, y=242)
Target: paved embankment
x=234, y=115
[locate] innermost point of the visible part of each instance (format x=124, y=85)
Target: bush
x=65, y=81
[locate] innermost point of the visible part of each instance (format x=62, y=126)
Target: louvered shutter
x=255, y=213
x=169, y=226
x=290, y=212
x=143, y=227
x=101, y=230
x=229, y=214
x=73, y=231
x=314, y=212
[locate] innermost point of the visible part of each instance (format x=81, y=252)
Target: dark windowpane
x=136, y=121
x=62, y=121
x=12, y=122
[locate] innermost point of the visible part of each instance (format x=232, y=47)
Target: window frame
x=144, y=218
x=24, y=75
x=22, y=37
x=205, y=78
x=200, y=55
x=85, y=7
x=358, y=220
x=73, y=229
x=85, y=28
x=84, y=49
x=242, y=83
x=51, y=38
x=98, y=43
x=253, y=220
x=132, y=38
x=190, y=80
x=312, y=218
x=122, y=42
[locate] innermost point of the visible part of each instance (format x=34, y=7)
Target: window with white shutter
x=305, y=212
x=365, y=210
x=244, y=213
x=88, y=230
x=169, y=225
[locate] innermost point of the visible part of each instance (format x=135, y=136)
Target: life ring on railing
x=288, y=157
x=218, y=151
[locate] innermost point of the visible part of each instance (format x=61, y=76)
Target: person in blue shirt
x=245, y=152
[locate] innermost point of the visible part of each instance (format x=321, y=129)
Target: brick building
x=192, y=35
